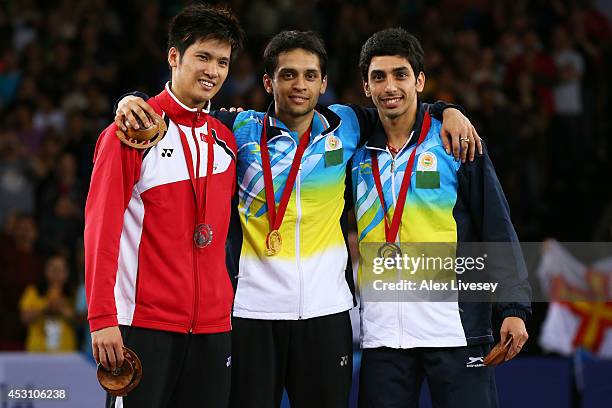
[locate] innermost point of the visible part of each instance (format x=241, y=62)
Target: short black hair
x=290, y=40
x=202, y=21
x=392, y=41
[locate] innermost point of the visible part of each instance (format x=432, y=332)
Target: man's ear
x=323, y=85
x=366, y=89
x=173, y=57
x=420, y=82
x=267, y=83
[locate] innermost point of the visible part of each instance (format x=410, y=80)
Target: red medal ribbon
x=195, y=178
x=392, y=230
x=275, y=218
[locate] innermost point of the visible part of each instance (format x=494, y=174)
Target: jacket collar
x=178, y=111
x=324, y=122
x=378, y=138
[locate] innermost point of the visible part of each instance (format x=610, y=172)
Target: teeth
x=206, y=83
x=394, y=100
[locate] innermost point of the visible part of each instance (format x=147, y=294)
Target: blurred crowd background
x=533, y=76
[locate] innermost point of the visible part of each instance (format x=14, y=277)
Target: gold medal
x=274, y=242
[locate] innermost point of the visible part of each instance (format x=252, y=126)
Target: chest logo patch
x=332, y=143
x=427, y=162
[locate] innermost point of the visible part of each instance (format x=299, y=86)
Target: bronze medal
x=389, y=250
x=125, y=378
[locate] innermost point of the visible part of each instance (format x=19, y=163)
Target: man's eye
x=402, y=75
x=288, y=75
x=223, y=63
x=203, y=58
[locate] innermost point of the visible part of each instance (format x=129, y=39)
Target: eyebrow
x=396, y=70
x=400, y=69
x=290, y=69
x=209, y=55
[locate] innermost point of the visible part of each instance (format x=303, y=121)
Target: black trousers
x=178, y=370
x=392, y=378
x=312, y=359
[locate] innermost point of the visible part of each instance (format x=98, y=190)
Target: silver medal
x=203, y=235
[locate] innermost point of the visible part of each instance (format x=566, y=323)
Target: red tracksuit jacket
x=142, y=266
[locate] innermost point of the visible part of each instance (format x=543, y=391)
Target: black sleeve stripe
x=222, y=144
x=167, y=120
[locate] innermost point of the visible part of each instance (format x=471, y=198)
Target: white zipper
x=399, y=302
x=393, y=181
x=400, y=318
x=297, y=241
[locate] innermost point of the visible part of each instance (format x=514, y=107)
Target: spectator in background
x=9, y=77
x=80, y=141
x=47, y=309
x=49, y=116
x=567, y=133
x=16, y=187
x=20, y=266
x=568, y=90
x=60, y=203
x=22, y=121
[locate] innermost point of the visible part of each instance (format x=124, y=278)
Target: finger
x=514, y=350
x=232, y=109
x=503, y=334
x=465, y=147
x=119, y=122
x=112, y=359
x=445, y=143
x=147, y=108
x=119, y=354
x=103, y=358
x=473, y=146
x=511, y=354
x=96, y=353
x=132, y=120
x=142, y=116
x=476, y=147
x=478, y=140
x=241, y=109
x=456, y=146
x=223, y=110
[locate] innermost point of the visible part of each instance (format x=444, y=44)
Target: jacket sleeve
x=484, y=198
x=367, y=118
x=116, y=170
x=225, y=117
x=436, y=109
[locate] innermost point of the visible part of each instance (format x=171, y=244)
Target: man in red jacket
x=155, y=237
